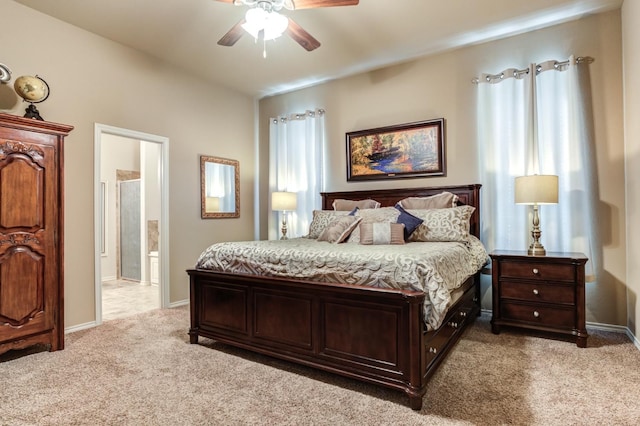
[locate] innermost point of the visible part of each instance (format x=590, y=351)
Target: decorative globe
x=31, y=89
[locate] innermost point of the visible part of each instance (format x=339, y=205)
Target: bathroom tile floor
x=122, y=298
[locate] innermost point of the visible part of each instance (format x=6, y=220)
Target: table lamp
x=284, y=202
x=535, y=190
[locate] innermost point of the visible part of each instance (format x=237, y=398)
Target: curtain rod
x=516, y=73
x=298, y=116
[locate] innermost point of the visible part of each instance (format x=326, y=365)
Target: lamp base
x=284, y=230
x=536, y=249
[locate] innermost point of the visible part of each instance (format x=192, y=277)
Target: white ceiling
x=354, y=39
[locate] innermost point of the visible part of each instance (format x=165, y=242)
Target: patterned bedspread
x=435, y=268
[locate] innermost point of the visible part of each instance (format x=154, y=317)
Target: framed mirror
x=219, y=187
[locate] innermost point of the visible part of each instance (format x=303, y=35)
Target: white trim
x=608, y=327
x=634, y=339
x=79, y=327
x=256, y=185
x=163, y=244
x=179, y=303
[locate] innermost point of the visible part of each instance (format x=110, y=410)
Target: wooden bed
x=386, y=342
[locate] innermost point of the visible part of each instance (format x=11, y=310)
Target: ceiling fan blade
x=302, y=37
x=233, y=35
x=312, y=4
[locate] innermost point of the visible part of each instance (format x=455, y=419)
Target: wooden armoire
x=31, y=233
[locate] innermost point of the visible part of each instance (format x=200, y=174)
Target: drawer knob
x=535, y=291
x=433, y=350
x=463, y=314
x=535, y=271
x=536, y=314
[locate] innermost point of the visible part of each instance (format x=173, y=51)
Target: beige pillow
x=443, y=200
x=443, y=224
x=321, y=220
x=340, y=204
x=381, y=215
x=382, y=233
x=339, y=229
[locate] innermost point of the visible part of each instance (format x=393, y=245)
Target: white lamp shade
x=536, y=189
x=212, y=204
x=284, y=201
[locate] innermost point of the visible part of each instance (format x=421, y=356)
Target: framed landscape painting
x=406, y=150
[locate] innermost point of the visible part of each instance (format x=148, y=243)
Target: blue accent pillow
x=410, y=222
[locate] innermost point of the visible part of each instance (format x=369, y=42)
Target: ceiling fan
x=263, y=20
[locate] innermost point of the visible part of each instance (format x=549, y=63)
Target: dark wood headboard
x=467, y=195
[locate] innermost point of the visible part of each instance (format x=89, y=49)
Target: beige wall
x=94, y=80
x=631, y=50
x=440, y=86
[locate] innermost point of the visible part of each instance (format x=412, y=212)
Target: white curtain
x=296, y=146
x=539, y=121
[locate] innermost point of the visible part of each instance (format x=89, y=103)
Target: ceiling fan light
x=256, y=16
x=252, y=29
x=255, y=21
x=275, y=25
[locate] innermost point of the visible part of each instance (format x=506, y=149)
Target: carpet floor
x=141, y=370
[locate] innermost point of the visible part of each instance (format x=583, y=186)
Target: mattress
x=435, y=268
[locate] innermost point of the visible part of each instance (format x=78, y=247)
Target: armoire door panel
x=22, y=293
x=31, y=233
x=21, y=190
x=21, y=193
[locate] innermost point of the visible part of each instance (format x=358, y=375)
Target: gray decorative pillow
x=443, y=224
x=380, y=215
x=340, y=204
x=339, y=229
x=382, y=233
x=443, y=200
x=321, y=220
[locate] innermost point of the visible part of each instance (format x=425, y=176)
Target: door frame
x=163, y=242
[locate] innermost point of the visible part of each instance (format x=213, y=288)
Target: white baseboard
x=179, y=303
x=79, y=327
x=92, y=324
x=488, y=312
x=598, y=326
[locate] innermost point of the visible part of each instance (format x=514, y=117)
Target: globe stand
x=32, y=112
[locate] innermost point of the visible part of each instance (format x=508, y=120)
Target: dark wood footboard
x=370, y=334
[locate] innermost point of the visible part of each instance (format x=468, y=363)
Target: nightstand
x=542, y=293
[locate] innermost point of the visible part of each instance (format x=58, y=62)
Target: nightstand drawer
x=542, y=315
x=538, y=292
x=537, y=271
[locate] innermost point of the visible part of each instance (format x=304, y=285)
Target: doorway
x=131, y=222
